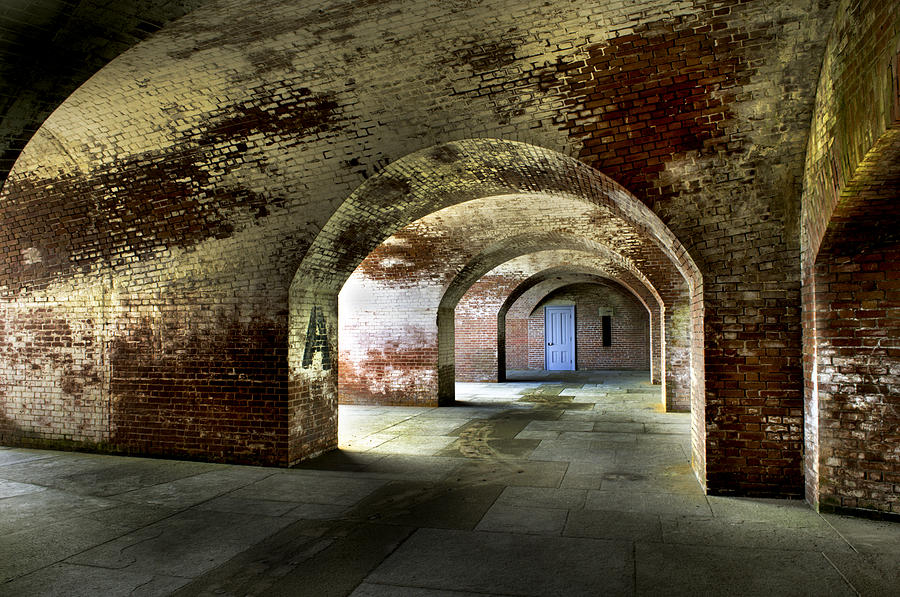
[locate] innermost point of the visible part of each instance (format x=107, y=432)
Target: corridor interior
x=549, y=484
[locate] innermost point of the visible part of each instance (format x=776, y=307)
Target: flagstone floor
x=545, y=485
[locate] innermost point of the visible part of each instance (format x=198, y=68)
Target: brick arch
x=512, y=247
x=388, y=308
x=580, y=254
x=645, y=294
x=854, y=289
x=630, y=326
x=428, y=180
x=678, y=316
x=425, y=182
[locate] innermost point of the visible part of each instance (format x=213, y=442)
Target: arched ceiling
x=454, y=247
x=48, y=48
x=562, y=264
x=584, y=270
x=498, y=186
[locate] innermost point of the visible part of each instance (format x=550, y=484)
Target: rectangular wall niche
x=606, y=314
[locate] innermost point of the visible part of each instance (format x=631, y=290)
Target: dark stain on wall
x=309, y=114
x=639, y=100
x=444, y=154
x=151, y=201
x=378, y=385
x=219, y=393
x=486, y=55
x=338, y=18
x=403, y=262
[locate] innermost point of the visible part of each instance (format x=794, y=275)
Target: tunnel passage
x=481, y=348
x=612, y=328
x=156, y=220
x=418, y=191
x=378, y=306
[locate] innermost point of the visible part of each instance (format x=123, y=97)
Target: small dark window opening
x=607, y=330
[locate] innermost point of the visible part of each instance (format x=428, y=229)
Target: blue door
x=559, y=334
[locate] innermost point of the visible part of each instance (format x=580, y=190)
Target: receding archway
x=421, y=184
x=595, y=297
x=592, y=268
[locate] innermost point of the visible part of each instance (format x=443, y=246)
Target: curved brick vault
x=589, y=268
x=419, y=275
x=489, y=297
x=151, y=228
x=487, y=201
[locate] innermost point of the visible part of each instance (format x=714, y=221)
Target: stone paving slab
x=515, y=473
x=872, y=575
x=298, y=487
x=668, y=504
x=34, y=548
x=692, y=570
x=183, y=545
x=16, y=455
x=543, y=497
x=602, y=524
x=503, y=518
x=422, y=504
x=193, y=490
x=731, y=533
x=12, y=488
x=71, y=580
x=867, y=536
x=367, y=589
x=42, y=508
x=506, y=563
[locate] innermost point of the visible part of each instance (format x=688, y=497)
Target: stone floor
x=544, y=487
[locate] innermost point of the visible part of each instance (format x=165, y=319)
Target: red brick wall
x=858, y=317
x=848, y=231
x=857, y=354
x=630, y=324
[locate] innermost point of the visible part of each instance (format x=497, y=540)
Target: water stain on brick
x=189, y=392
x=649, y=97
x=444, y=154
x=314, y=428
x=374, y=380
x=253, y=27
x=266, y=60
x=311, y=113
x=409, y=256
x=147, y=202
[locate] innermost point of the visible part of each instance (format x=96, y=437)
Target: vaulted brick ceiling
x=48, y=48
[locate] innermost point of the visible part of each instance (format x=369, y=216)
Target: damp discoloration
x=637, y=107
x=309, y=113
x=224, y=380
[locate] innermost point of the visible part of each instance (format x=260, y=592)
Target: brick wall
x=481, y=314
x=848, y=265
x=630, y=348
x=857, y=276
x=252, y=148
